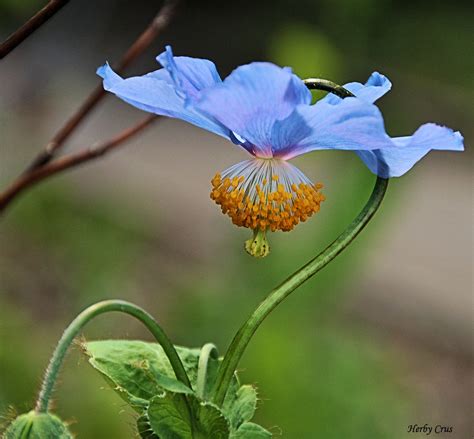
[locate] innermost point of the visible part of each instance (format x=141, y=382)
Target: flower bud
x=35, y=425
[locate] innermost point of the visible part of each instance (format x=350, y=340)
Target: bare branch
x=35, y=22
x=157, y=25
x=70, y=161
x=43, y=166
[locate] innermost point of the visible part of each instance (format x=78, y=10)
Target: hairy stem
x=280, y=293
x=76, y=326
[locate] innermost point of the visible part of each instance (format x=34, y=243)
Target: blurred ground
x=384, y=335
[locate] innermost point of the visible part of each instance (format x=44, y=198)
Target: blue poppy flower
x=267, y=111
x=397, y=155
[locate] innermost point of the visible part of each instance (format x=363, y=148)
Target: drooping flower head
x=267, y=111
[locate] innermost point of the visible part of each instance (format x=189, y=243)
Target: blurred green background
x=379, y=340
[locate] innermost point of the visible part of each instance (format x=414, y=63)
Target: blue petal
x=252, y=99
x=190, y=75
x=156, y=93
x=376, y=86
x=404, y=152
x=351, y=125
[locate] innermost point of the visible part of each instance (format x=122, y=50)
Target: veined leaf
x=144, y=428
x=170, y=417
x=138, y=370
x=240, y=406
x=142, y=374
x=249, y=430
x=176, y=416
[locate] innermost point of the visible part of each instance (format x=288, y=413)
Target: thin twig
x=160, y=21
x=70, y=161
x=43, y=166
x=41, y=17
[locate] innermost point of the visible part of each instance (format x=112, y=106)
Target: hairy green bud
x=35, y=425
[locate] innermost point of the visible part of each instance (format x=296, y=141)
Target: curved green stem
x=243, y=336
x=209, y=350
x=75, y=327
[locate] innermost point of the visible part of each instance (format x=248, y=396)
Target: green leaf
x=249, y=430
x=211, y=423
x=141, y=373
x=144, y=428
x=240, y=406
x=175, y=416
x=138, y=370
x=171, y=384
x=169, y=417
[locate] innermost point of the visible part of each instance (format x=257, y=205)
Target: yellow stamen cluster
x=273, y=205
